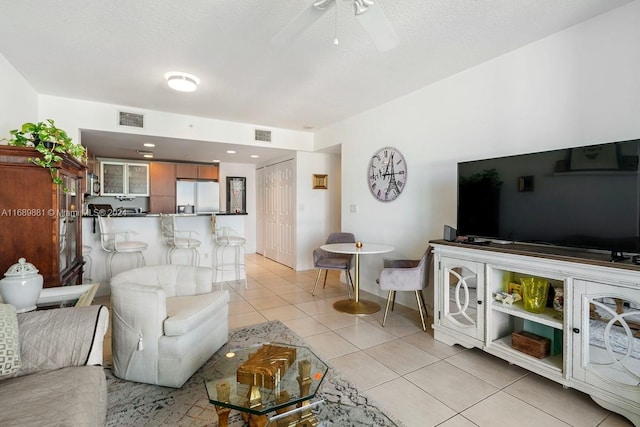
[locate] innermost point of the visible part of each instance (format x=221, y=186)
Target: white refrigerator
x=204, y=196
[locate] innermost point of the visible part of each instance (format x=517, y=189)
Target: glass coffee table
x=270, y=377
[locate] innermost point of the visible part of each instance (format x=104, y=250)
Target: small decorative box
x=531, y=344
x=266, y=366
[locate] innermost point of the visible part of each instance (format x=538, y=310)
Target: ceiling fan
x=368, y=13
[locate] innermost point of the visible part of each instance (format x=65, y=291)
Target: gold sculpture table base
x=305, y=418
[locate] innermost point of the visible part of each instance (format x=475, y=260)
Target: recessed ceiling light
x=148, y=156
x=182, y=82
x=254, y=156
x=231, y=152
x=149, y=144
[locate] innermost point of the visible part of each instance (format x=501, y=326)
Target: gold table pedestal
x=356, y=307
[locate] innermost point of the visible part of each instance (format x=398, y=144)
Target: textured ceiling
x=117, y=51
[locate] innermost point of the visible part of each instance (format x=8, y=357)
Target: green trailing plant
x=50, y=141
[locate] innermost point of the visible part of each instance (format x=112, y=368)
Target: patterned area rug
x=134, y=404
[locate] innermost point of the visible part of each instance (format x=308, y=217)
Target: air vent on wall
x=135, y=120
x=263, y=135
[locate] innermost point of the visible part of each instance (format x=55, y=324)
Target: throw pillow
x=9, y=344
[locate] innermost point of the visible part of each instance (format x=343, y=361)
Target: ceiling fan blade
x=301, y=22
x=376, y=24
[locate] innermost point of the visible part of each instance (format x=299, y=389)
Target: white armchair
x=167, y=321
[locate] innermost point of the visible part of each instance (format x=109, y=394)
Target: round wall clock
x=387, y=174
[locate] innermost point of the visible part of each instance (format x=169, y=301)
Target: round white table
x=356, y=306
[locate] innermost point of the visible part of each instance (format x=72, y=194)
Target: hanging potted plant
x=49, y=141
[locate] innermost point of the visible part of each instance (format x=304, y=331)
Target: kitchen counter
x=146, y=228
x=154, y=215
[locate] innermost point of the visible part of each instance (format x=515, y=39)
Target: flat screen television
x=581, y=197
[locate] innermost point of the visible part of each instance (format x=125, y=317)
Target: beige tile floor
x=421, y=381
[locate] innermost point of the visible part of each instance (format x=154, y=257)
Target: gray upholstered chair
x=406, y=275
x=323, y=260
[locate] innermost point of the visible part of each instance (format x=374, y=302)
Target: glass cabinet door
x=608, y=338
x=62, y=218
x=137, y=179
x=463, y=287
x=72, y=218
x=113, y=178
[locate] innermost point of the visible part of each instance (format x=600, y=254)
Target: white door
x=276, y=218
x=271, y=213
x=260, y=211
x=286, y=213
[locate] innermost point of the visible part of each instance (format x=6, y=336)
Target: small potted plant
x=49, y=141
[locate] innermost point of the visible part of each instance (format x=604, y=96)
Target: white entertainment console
x=595, y=338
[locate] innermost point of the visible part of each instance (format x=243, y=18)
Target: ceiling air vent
x=263, y=135
x=135, y=120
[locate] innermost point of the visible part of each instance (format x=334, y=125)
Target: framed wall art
x=320, y=181
x=595, y=157
x=236, y=194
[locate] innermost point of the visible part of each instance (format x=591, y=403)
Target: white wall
x=577, y=87
x=318, y=211
x=18, y=100
x=248, y=171
x=75, y=114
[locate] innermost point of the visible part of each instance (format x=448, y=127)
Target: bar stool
x=223, y=238
x=86, y=255
x=117, y=242
x=178, y=239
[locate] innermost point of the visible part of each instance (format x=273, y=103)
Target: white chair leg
x=109, y=264
x=386, y=310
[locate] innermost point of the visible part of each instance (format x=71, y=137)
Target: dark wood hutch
x=39, y=220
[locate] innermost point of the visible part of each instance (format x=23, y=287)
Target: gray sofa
x=61, y=381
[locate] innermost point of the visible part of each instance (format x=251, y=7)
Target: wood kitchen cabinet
x=197, y=171
x=162, y=189
x=186, y=170
x=39, y=220
x=208, y=172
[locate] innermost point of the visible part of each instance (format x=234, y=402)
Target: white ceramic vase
x=21, y=286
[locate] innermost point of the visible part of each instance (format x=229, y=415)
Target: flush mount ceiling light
x=182, y=82
x=149, y=144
